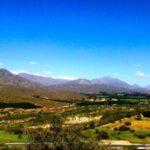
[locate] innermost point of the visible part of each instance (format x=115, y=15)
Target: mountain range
x=105, y=84
x=48, y=81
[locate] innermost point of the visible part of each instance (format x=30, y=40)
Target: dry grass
x=141, y=125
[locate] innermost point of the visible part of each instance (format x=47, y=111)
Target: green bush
x=101, y=135
x=141, y=135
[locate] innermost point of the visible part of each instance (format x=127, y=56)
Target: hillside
x=14, y=88
x=8, y=78
x=38, y=96
x=94, y=88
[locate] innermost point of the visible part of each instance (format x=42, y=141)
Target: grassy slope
x=6, y=137
x=18, y=94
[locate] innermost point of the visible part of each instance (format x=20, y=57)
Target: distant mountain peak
x=8, y=78
x=5, y=73
x=3, y=70
x=110, y=81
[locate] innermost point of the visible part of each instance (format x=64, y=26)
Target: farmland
x=112, y=119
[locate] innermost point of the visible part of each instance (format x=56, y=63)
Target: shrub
x=16, y=129
x=124, y=128
x=127, y=123
x=146, y=114
x=101, y=135
x=65, y=139
x=142, y=135
x=131, y=148
x=92, y=125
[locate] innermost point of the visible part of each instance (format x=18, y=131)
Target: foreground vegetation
x=83, y=124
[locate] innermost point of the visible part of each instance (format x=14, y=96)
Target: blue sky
x=77, y=38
